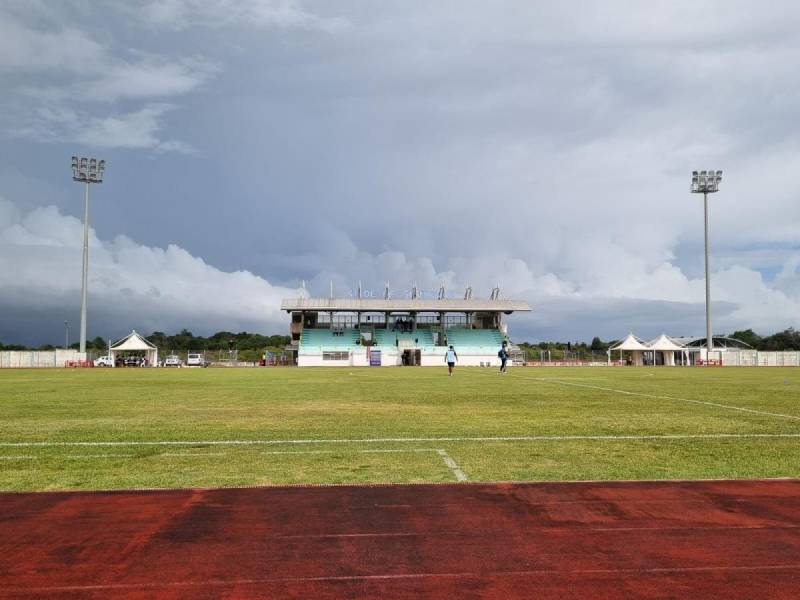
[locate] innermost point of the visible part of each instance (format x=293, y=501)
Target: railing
x=378, y=320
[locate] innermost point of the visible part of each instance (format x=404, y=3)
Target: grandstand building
x=398, y=332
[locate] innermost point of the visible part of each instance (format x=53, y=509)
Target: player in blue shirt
x=450, y=358
x=503, y=355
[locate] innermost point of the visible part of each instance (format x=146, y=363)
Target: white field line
x=411, y=440
x=448, y=461
x=299, y=452
x=659, y=397
x=453, y=465
x=356, y=451
x=179, y=454
x=398, y=450
x=82, y=456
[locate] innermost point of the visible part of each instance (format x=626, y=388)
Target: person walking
x=503, y=355
x=451, y=358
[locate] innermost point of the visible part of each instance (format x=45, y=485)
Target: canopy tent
x=667, y=347
x=134, y=342
x=664, y=344
x=634, y=345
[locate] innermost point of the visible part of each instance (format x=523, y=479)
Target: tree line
x=788, y=339
x=254, y=344
x=250, y=346
x=186, y=341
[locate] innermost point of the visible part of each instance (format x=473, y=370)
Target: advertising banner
x=374, y=358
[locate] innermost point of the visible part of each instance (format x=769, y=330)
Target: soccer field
x=142, y=428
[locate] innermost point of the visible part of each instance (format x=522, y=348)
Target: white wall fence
x=757, y=358
x=32, y=359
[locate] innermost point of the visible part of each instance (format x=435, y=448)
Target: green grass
x=278, y=405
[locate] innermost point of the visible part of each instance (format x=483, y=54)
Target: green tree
x=748, y=336
x=598, y=345
x=789, y=339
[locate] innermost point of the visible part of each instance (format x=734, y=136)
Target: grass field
x=132, y=428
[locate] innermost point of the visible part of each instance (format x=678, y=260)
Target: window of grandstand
x=335, y=356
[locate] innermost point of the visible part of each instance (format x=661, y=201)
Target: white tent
x=633, y=345
x=667, y=347
x=134, y=342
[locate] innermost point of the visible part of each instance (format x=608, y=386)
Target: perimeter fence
x=757, y=358
x=34, y=359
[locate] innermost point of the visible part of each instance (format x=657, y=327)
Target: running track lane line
x=399, y=576
x=645, y=395
x=413, y=440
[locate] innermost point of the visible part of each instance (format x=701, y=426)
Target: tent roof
x=133, y=341
x=630, y=343
x=663, y=343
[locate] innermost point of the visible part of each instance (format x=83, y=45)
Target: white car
x=173, y=360
x=196, y=360
x=104, y=361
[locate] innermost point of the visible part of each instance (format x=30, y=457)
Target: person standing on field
x=503, y=355
x=451, y=358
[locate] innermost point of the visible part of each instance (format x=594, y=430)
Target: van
x=196, y=360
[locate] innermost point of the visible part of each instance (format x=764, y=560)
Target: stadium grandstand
x=399, y=332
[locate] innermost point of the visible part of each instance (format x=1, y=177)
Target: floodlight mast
x=706, y=182
x=88, y=171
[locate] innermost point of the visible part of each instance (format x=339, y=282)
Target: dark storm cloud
x=543, y=147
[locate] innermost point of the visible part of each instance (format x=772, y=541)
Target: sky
x=253, y=145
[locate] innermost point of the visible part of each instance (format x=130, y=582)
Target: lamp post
x=707, y=182
x=88, y=171
x=66, y=335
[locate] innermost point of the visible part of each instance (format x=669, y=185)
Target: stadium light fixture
x=87, y=171
x=706, y=182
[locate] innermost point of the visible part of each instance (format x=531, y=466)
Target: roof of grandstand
x=407, y=304
x=719, y=341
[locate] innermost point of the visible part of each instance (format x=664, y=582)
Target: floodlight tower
x=88, y=171
x=707, y=182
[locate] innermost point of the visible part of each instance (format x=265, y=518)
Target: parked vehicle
x=130, y=361
x=104, y=361
x=173, y=360
x=196, y=360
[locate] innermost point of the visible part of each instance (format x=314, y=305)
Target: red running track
x=720, y=539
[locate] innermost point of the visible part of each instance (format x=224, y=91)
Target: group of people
x=451, y=358
x=403, y=325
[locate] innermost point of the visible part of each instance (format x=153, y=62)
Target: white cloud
x=92, y=79
x=132, y=130
x=578, y=293
x=140, y=129
x=148, y=77
x=544, y=146
x=131, y=285
x=285, y=14
x=25, y=49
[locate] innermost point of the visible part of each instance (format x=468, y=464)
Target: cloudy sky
x=254, y=144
